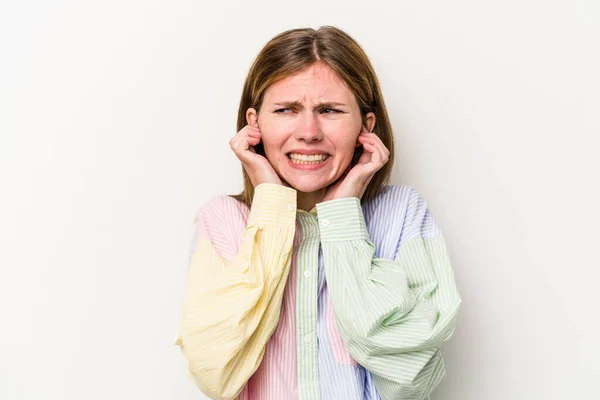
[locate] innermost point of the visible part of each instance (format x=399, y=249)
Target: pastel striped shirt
x=348, y=301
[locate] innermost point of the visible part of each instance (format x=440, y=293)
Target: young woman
x=319, y=280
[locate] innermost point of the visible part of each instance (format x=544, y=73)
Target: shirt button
x=325, y=222
x=307, y=339
x=292, y=207
x=307, y=273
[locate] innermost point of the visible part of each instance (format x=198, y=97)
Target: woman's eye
x=323, y=111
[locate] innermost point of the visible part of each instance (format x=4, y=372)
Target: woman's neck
x=307, y=201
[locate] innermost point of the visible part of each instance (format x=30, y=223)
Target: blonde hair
x=293, y=51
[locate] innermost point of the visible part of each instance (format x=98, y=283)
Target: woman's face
x=309, y=124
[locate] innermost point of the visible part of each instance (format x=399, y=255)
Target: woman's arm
x=393, y=315
x=232, y=302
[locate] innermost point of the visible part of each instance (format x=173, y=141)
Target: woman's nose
x=309, y=129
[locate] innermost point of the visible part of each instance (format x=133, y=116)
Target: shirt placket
x=306, y=308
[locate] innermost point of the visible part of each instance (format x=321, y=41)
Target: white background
x=115, y=118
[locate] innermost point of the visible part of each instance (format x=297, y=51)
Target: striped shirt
x=347, y=301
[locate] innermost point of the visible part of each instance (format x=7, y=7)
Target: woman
x=318, y=281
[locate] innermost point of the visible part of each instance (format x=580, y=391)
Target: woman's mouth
x=304, y=159
x=305, y=162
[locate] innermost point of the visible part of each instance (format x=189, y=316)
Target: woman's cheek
x=280, y=130
x=345, y=128
x=334, y=126
x=271, y=132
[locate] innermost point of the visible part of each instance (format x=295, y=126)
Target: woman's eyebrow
x=298, y=104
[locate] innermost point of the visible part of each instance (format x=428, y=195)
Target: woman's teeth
x=306, y=159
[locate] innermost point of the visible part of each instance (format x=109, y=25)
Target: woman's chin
x=306, y=186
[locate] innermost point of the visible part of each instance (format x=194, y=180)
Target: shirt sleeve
x=232, y=304
x=393, y=314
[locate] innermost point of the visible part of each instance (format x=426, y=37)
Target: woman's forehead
x=318, y=83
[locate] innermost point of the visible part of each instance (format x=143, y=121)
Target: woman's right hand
x=258, y=168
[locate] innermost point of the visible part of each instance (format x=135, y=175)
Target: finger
x=250, y=128
x=370, y=135
x=383, y=153
x=362, y=133
x=240, y=146
x=253, y=142
x=234, y=143
x=252, y=139
x=376, y=157
x=367, y=140
x=365, y=137
x=376, y=140
x=243, y=140
x=254, y=134
x=380, y=143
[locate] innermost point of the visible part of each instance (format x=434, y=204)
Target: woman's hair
x=295, y=50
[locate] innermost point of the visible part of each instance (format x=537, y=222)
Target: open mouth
x=307, y=159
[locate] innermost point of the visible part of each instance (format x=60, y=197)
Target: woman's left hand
x=354, y=180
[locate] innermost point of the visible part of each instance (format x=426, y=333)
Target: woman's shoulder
x=221, y=220
x=393, y=197
x=404, y=206
x=222, y=207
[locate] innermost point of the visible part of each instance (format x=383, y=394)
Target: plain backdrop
x=115, y=118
